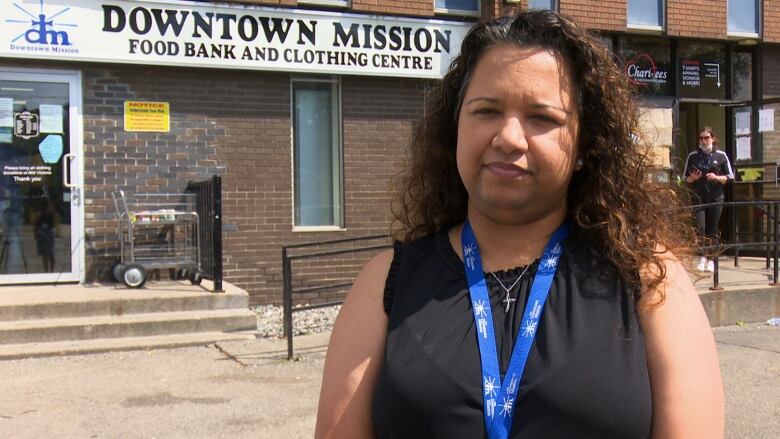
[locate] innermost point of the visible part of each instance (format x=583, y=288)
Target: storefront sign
x=642, y=71
x=228, y=36
x=26, y=125
x=153, y=117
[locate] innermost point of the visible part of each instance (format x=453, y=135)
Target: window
x=743, y=17
x=648, y=14
x=340, y=3
x=317, y=153
x=743, y=75
x=543, y=4
x=461, y=7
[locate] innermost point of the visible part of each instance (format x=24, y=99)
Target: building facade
x=305, y=109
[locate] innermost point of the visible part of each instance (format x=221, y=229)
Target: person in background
x=707, y=171
x=536, y=290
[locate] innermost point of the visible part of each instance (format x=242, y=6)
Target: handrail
x=769, y=241
x=287, y=291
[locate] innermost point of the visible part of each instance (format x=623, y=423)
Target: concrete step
x=29, y=350
x=119, y=304
x=128, y=325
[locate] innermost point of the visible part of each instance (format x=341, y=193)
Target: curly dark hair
x=612, y=204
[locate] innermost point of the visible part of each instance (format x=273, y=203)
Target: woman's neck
x=503, y=245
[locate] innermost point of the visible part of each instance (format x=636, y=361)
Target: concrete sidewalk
x=745, y=293
x=247, y=390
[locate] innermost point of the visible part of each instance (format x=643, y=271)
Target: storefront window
x=317, y=153
x=743, y=77
x=647, y=63
x=743, y=17
x=543, y=4
x=464, y=7
x=646, y=13
x=702, y=70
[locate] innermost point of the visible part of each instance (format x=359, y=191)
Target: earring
x=578, y=164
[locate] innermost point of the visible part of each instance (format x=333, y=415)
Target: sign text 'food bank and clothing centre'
x=187, y=33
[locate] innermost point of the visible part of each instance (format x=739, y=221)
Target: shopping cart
x=156, y=231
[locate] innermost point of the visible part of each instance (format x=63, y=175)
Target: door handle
x=66, y=170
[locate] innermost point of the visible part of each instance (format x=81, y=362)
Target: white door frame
x=76, y=171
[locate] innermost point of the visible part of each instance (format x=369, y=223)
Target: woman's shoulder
x=416, y=250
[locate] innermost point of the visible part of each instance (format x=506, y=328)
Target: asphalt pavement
x=249, y=390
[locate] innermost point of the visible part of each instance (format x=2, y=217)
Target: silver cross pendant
x=508, y=300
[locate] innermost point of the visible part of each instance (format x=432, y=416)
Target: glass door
x=40, y=177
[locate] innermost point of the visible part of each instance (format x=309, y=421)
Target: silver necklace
x=508, y=299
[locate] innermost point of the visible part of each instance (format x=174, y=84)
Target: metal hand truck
x=156, y=231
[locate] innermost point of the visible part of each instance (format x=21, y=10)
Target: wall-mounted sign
x=750, y=174
x=26, y=125
x=228, y=36
x=154, y=117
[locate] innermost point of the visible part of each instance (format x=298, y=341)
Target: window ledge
x=645, y=29
x=335, y=3
x=740, y=35
x=309, y=229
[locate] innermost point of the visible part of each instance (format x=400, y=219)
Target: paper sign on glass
x=6, y=135
x=766, y=119
x=6, y=112
x=51, y=148
x=743, y=122
x=743, y=148
x=51, y=118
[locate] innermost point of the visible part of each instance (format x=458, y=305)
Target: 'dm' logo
x=42, y=28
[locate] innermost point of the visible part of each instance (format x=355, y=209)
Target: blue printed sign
x=51, y=148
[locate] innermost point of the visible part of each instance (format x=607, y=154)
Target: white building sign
x=227, y=36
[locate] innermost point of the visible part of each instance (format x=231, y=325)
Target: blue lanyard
x=499, y=398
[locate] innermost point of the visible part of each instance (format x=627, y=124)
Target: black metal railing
x=312, y=251
x=768, y=240
x=768, y=235
x=208, y=204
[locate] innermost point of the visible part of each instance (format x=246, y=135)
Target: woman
x=707, y=170
x=528, y=137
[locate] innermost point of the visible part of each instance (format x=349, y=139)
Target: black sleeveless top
x=586, y=374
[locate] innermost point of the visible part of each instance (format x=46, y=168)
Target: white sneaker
x=702, y=264
x=711, y=266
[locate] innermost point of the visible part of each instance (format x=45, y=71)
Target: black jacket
x=717, y=162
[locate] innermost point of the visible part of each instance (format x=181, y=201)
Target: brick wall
x=771, y=25
x=238, y=124
x=422, y=8
x=139, y=162
x=696, y=18
x=607, y=15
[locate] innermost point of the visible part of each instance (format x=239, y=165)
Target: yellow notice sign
x=752, y=174
x=153, y=117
